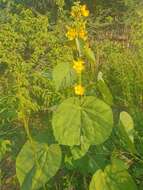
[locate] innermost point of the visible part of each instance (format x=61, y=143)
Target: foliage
x=88, y=120
x=34, y=174
x=114, y=176
x=71, y=95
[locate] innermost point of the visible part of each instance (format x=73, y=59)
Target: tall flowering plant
x=80, y=122
x=77, y=120
x=75, y=32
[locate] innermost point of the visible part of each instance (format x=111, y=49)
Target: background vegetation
x=32, y=43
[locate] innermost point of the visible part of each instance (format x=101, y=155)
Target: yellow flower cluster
x=73, y=33
x=82, y=33
x=79, y=90
x=84, y=11
x=77, y=30
x=79, y=11
x=78, y=66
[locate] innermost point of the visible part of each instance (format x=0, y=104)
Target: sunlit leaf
x=114, y=177
x=63, y=75
x=126, y=128
x=89, y=54
x=36, y=164
x=104, y=90
x=88, y=119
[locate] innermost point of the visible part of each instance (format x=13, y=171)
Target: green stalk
x=25, y=120
x=26, y=126
x=78, y=47
x=85, y=182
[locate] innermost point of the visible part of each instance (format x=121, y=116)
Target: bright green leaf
x=126, y=128
x=88, y=119
x=63, y=75
x=36, y=164
x=104, y=90
x=89, y=54
x=114, y=177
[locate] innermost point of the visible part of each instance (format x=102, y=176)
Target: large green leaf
x=82, y=120
x=36, y=164
x=114, y=177
x=104, y=90
x=126, y=128
x=63, y=75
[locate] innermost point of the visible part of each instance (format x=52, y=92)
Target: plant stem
x=26, y=126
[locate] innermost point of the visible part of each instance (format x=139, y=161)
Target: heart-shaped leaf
x=36, y=164
x=114, y=177
x=88, y=119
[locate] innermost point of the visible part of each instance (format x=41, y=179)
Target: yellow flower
x=71, y=34
x=78, y=66
x=84, y=11
x=76, y=12
x=82, y=34
x=79, y=90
